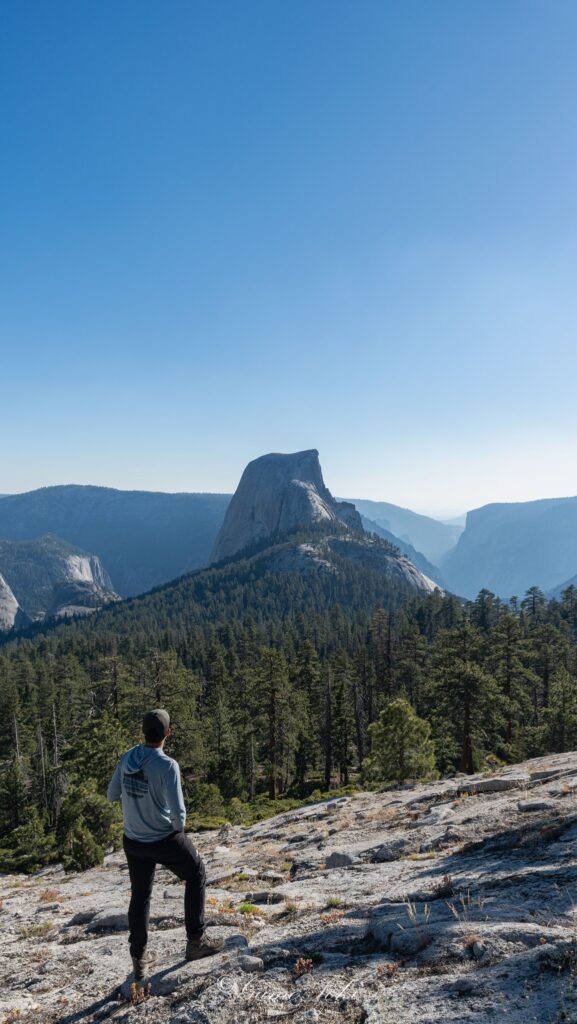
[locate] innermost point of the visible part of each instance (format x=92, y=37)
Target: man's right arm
x=175, y=798
x=114, y=786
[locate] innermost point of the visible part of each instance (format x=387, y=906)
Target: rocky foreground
x=447, y=902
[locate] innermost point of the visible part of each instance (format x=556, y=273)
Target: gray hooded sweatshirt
x=147, y=781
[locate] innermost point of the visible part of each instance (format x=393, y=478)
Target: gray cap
x=155, y=724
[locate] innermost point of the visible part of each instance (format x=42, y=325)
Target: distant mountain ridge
x=510, y=547
x=143, y=538
x=146, y=538
x=428, y=536
x=315, y=554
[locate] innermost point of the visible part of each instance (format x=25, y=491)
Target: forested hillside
x=273, y=681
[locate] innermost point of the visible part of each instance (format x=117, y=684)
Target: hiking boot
x=141, y=965
x=203, y=946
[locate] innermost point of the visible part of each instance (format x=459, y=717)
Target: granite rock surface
x=445, y=902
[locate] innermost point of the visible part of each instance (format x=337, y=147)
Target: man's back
x=147, y=782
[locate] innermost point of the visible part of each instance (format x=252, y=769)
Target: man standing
x=147, y=782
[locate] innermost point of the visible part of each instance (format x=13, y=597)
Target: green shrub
x=236, y=811
x=205, y=798
x=204, y=822
x=28, y=847
x=87, y=825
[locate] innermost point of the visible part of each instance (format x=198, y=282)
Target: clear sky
x=229, y=228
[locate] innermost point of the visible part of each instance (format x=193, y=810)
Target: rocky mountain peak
x=279, y=494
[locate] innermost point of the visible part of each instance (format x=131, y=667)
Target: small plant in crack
x=444, y=888
x=304, y=965
x=418, y=915
x=467, y=908
x=139, y=993
x=251, y=910
x=291, y=907
x=388, y=972
x=332, y=917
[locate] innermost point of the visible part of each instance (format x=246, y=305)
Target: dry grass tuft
x=381, y=814
x=291, y=907
x=39, y=956
x=43, y=930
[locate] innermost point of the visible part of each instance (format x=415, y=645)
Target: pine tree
x=14, y=802
x=402, y=747
x=551, y=650
x=218, y=721
x=466, y=698
x=533, y=604
x=307, y=683
x=485, y=610
x=342, y=717
x=509, y=662
x=560, y=726
x=96, y=749
x=411, y=664
x=569, y=608
x=276, y=720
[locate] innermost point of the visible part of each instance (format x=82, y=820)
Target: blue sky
x=232, y=228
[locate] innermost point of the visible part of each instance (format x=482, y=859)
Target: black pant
x=177, y=853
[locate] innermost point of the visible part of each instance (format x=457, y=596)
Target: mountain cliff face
x=78, y=597
x=280, y=494
x=9, y=606
x=32, y=569
x=508, y=548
